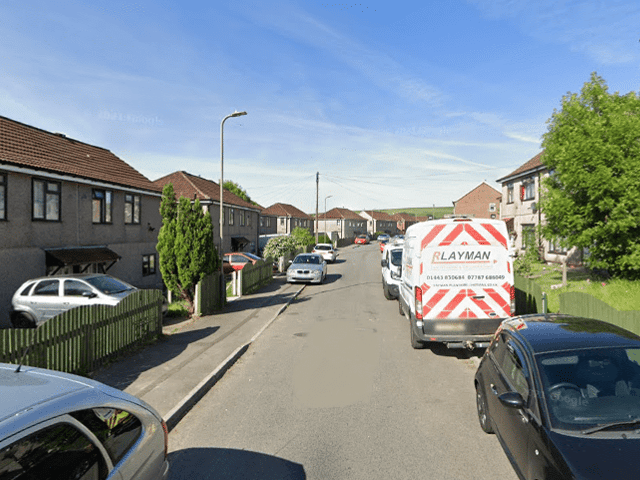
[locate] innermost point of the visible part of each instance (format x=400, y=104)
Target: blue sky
x=396, y=104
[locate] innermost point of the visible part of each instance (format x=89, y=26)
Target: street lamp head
x=237, y=114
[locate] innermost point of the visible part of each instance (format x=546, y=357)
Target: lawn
x=620, y=294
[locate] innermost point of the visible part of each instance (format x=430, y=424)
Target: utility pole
x=317, y=190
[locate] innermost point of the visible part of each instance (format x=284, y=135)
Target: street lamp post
x=325, y=215
x=223, y=287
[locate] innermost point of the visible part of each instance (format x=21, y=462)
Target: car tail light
x=166, y=438
x=418, y=303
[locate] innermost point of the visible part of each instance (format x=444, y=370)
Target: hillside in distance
x=437, y=212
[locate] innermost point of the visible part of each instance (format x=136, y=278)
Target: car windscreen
x=322, y=247
x=252, y=256
x=308, y=259
x=591, y=388
x=396, y=257
x=108, y=285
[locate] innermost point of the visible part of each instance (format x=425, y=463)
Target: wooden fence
x=255, y=276
x=584, y=305
x=529, y=300
x=208, y=295
x=84, y=338
x=528, y=295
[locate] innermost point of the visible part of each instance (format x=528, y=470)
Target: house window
x=241, y=218
x=249, y=219
x=46, y=200
x=510, y=193
x=528, y=190
x=556, y=247
x=132, y=209
x=3, y=196
x=231, y=215
x=148, y=264
x=493, y=216
x=528, y=235
x=262, y=221
x=282, y=221
x=492, y=207
x=102, y=203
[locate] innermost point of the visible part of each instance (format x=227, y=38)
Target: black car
x=562, y=394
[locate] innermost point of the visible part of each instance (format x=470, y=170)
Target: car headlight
x=395, y=276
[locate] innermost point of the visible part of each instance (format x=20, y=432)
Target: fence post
x=240, y=286
x=544, y=302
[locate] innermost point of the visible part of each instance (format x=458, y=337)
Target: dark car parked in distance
x=562, y=394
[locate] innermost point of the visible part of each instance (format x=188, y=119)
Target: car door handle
x=494, y=389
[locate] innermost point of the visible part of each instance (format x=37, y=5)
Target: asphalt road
x=333, y=390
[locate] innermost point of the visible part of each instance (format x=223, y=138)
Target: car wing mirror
x=511, y=400
x=384, y=263
x=89, y=294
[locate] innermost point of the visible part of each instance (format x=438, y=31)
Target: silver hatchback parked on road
x=56, y=426
x=40, y=299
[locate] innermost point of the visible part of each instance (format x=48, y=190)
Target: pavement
x=176, y=371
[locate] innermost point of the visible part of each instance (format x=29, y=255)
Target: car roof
x=557, y=332
x=32, y=386
x=35, y=394
x=81, y=276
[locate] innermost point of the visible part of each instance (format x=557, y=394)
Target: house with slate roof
x=241, y=218
x=342, y=223
x=70, y=207
x=481, y=202
x=288, y=218
x=379, y=222
x=519, y=208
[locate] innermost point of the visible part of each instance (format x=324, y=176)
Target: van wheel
x=415, y=342
x=22, y=320
x=385, y=289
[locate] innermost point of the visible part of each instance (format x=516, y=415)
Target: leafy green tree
x=185, y=244
x=592, y=197
x=278, y=247
x=303, y=237
x=236, y=189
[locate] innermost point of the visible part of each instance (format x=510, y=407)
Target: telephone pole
x=317, y=189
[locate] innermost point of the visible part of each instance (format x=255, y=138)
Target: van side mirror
x=384, y=263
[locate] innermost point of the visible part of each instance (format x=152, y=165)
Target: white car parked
x=40, y=299
x=326, y=250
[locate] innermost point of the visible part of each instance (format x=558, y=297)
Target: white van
x=457, y=281
x=391, y=264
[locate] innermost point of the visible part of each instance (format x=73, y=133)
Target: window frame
x=149, y=264
x=510, y=190
x=47, y=193
x=135, y=203
x=528, y=190
x=231, y=215
x=105, y=206
x=523, y=229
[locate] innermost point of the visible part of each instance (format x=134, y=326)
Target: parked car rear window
x=118, y=430
x=56, y=452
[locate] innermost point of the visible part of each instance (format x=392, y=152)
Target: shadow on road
x=231, y=464
x=459, y=353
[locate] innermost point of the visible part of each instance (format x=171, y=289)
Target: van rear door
x=466, y=271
